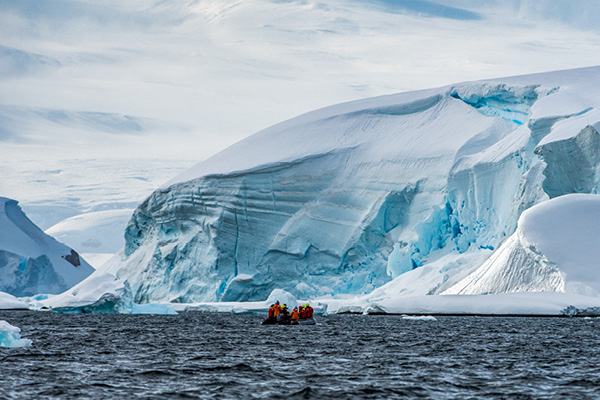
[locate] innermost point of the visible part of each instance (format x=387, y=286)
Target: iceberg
x=10, y=302
x=31, y=262
x=397, y=196
x=101, y=293
x=10, y=336
x=555, y=248
x=419, y=317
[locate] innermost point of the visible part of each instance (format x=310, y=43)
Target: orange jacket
x=276, y=310
x=295, y=314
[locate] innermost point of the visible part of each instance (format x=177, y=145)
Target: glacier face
x=346, y=198
x=32, y=262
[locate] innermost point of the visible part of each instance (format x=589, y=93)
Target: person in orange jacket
x=295, y=316
x=276, y=309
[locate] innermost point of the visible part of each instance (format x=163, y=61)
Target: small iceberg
x=102, y=293
x=10, y=302
x=10, y=336
x=419, y=317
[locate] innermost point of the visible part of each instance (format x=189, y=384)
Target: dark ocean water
x=222, y=356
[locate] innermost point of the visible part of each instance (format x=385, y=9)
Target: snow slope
x=556, y=248
x=97, y=235
x=10, y=302
x=344, y=199
x=32, y=262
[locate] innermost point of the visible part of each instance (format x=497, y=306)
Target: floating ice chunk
x=419, y=317
x=10, y=336
x=374, y=309
x=349, y=309
x=152, y=308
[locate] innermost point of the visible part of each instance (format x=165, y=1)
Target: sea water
x=221, y=356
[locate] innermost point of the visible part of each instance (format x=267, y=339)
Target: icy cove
x=414, y=191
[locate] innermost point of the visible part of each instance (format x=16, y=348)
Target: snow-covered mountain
x=419, y=187
x=32, y=262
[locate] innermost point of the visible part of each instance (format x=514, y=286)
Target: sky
x=100, y=102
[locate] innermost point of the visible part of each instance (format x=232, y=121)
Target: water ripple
x=220, y=356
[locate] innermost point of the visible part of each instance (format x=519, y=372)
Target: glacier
x=399, y=195
x=32, y=262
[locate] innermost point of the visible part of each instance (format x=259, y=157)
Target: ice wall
x=344, y=199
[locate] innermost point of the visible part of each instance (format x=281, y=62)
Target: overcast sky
x=209, y=73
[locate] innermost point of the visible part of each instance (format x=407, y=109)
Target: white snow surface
x=10, y=302
x=555, y=248
x=96, y=235
x=32, y=262
x=419, y=317
x=530, y=303
x=10, y=336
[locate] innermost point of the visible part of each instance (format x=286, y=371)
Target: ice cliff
x=420, y=187
x=32, y=262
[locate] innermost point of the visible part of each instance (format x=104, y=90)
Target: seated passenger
x=277, y=309
x=272, y=311
x=302, y=312
x=283, y=315
x=295, y=315
x=309, y=311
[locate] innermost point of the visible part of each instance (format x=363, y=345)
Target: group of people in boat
x=280, y=314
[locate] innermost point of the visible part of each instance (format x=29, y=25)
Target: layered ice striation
x=344, y=199
x=31, y=262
